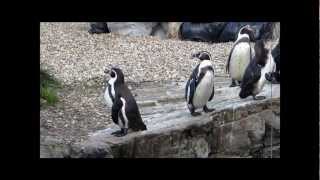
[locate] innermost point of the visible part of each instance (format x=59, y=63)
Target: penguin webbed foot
x=192, y=110
x=207, y=110
x=195, y=113
x=259, y=97
x=233, y=83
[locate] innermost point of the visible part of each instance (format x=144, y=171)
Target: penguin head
x=247, y=29
x=116, y=74
x=261, y=52
x=202, y=55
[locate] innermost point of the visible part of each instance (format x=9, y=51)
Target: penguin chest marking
x=110, y=88
x=203, y=90
x=107, y=97
x=240, y=59
x=125, y=122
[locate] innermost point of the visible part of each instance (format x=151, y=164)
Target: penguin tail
x=139, y=127
x=143, y=127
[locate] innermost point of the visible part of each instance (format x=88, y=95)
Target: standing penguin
x=200, y=86
x=125, y=111
x=254, y=76
x=240, y=55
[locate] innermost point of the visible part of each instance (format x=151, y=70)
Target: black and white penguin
x=125, y=111
x=240, y=55
x=274, y=77
x=254, y=76
x=200, y=86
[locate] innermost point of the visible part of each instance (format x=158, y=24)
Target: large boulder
x=98, y=27
x=230, y=32
x=263, y=30
x=206, y=32
x=160, y=30
x=173, y=29
x=166, y=30
x=132, y=28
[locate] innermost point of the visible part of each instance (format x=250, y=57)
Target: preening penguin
x=274, y=77
x=240, y=55
x=254, y=76
x=200, y=86
x=125, y=111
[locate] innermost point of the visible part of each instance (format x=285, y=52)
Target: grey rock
x=95, y=148
x=206, y=32
x=132, y=28
x=159, y=31
x=98, y=27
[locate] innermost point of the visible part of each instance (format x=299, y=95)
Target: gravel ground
x=77, y=59
x=70, y=53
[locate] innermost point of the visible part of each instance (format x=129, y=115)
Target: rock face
x=207, y=32
x=238, y=128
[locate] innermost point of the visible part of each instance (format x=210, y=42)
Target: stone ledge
x=238, y=128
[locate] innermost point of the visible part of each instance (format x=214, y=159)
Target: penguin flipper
x=116, y=107
x=192, y=89
x=229, y=58
x=212, y=94
x=191, y=85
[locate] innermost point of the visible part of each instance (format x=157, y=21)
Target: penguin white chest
x=107, y=97
x=239, y=61
x=203, y=90
x=269, y=67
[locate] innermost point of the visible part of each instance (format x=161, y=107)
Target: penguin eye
x=113, y=74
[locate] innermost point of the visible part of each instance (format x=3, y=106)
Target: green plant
x=48, y=88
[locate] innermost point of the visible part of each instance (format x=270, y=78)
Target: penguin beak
x=107, y=71
x=194, y=55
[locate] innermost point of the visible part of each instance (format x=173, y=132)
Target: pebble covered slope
x=70, y=53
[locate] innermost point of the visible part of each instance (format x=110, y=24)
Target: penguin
x=125, y=111
x=200, y=85
x=254, y=76
x=274, y=77
x=240, y=54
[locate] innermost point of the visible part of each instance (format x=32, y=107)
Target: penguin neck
x=243, y=36
x=112, y=80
